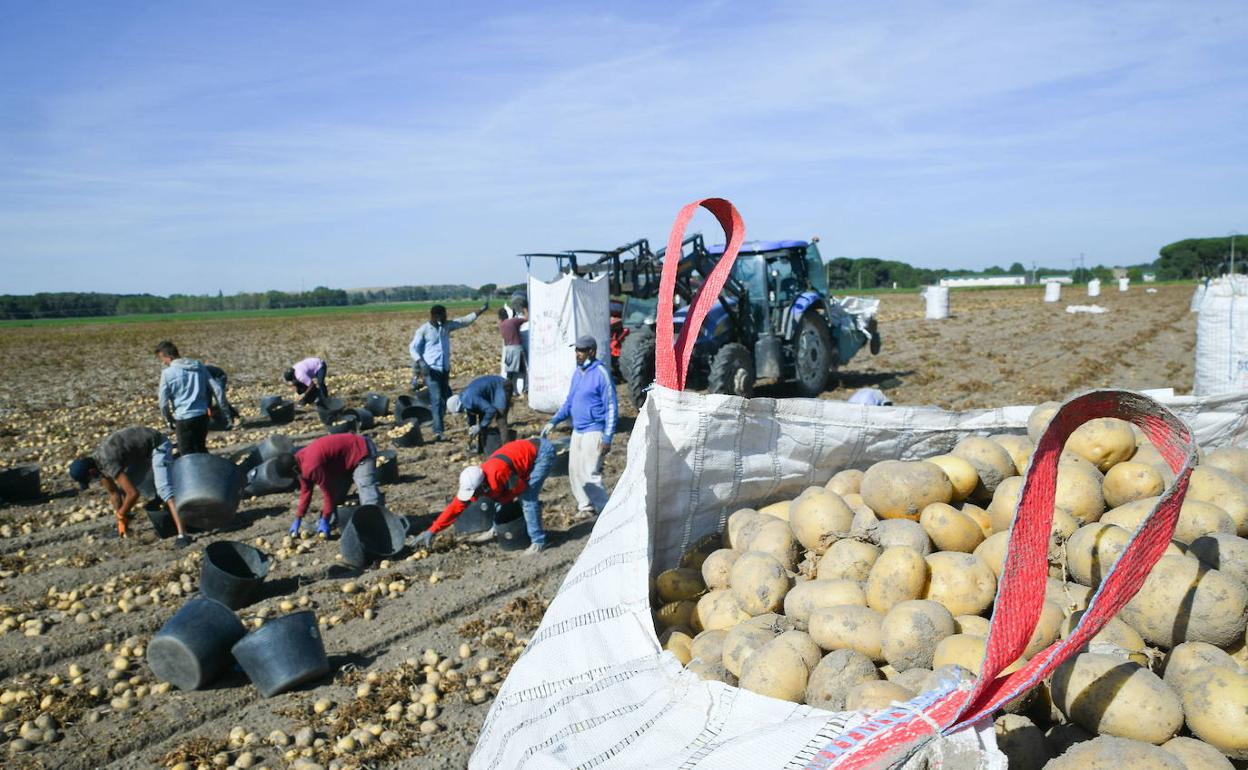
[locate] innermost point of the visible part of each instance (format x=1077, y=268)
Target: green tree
x=1017, y=269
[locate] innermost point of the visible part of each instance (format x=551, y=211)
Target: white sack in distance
x=560, y=312
x=1052, y=291
x=937, y=302
x=1094, y=287
x=1222, y=337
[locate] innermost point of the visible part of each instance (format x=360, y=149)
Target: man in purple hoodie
x=592, y=405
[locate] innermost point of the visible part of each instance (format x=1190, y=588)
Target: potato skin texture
x=1213, y=607
x=1107, y=752
x=900, y=490
x=835, y=675
x=991, y=461
x=1110, y=696
x=1103, y=441
x=1129, y=481
x=1216, y=703
x=900, y=574
x=759, y=582
x=910, y=632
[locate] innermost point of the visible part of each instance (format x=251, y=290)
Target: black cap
x=585, y=342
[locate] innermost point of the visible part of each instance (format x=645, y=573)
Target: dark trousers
x=192, y=435
x=439, y=391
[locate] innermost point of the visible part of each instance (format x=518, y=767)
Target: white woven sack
x=594, y=688
x=1222, y=339
x=559, y=312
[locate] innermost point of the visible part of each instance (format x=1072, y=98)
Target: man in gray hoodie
x=184, y=393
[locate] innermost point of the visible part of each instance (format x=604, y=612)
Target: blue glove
x=474, y=430
x=547, y=428
x=294, y=528
x=423, y=540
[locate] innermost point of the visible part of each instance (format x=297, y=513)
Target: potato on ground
x=1223, y=489
x=846, y=482
x=680, y=583
x=1224, y=552
x=950, y=529
x=1103, y=441
x=1215, y=701
x=873, y=696
x=962, y=475
x=848, y=627
x=1107, y=752
x=900, y=490
x=900, y=574
x=847, y=559
x=835, y=675
x=1110, y=696
x=901, y=533
x=1021, y=742
x=819, y=518
x=1232, y=459
x=1039, y=418
x=807, y=596
x=1129, y=481
x=1190, y=658
x=1183, y=601
x=759, y=581
x=1196, y=518
x=718, y=610
x=1197, y=755
x=717, y=568
x=962, y=582
x=910, y=632
x=777, y=670
x=1018, y=447
x=992, y=463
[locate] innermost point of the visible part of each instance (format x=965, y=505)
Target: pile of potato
x=870, y=589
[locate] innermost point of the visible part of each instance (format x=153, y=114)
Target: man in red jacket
x=331, y=463
x=515, y=472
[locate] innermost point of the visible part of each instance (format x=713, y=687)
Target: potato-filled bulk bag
x=594, y=687
x=1222, y=338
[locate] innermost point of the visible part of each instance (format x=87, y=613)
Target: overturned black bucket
x=283, y=653
x=233, y=573
x=330, y=409
x=377, y=404
x=282, y=413
x=387, y=466
x=162, y=522
x=21, y=482
x=205, y=488
x=372, y=533
x=510, y=529
x=265, y=479
x=477, y=517
x=268, y=402
x=362, y=416
x=410, y=408
x=275, y=444
x=246, y=459
x=344, y=423
x=412, y=437
x=193, y=647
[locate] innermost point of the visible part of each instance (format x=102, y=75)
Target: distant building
x=1149, y=277
x=1066, y=279
x=987, y=280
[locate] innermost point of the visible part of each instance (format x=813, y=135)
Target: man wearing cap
x=331, y=462
x=308, y=379
x=516, y=471
x=592, y=405
x=431, y=358
x=484, y=399
x=184, y=398
x=121, y=450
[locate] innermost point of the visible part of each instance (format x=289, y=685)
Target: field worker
x=513, y=348
x=485, y=399
x=308, y=379
x=122, y=449
x=327, y=463
x=217, y=383
x=184, y=397
x=516, y=471
x=431, y=358
x=592, y=405
x=870, y=397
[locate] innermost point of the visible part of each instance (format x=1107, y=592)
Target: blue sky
x=197, y=146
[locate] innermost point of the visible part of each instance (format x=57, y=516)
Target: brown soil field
x=76, y=606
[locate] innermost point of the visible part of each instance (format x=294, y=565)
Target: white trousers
x=585, y=471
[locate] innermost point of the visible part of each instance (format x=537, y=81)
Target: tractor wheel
x=637, y=362
x=732, y=371
x=815, y=355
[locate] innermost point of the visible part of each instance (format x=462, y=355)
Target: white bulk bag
x=1052, y=291
x=1094, y=287
x=937, y=298
x=1123, y=283
x=1222, y=338
x=559, y=312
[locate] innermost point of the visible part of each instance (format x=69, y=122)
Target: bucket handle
x=672, y=358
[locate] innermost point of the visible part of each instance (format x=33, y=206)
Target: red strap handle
x=672, y=360
x=1022, y=588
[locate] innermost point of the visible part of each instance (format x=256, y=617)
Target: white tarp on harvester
x=560, y=312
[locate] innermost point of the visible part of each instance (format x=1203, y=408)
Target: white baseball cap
x=452, y=403
x=470, y=479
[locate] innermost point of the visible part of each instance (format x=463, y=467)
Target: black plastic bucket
x=21, y=482
x=407, y=408
x=246, y=459
x=283, y=653
x=282, y=413
x=344, y=423
x=193, y=647
x=372, y=533
x=205, y=489
x=330, y=409
x=233, y=573
x=510, y=530
x=412, y=437
x=275, y=444
x=377, y=404
x=387, y=466
x=162, y=522
x=477, y=517
x=268, y=402
x=265, y=480
x=363, y=416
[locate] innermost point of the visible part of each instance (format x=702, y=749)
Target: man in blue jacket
x=431, y=358
x=184, y=394
x=485, y=399
x=592, y=405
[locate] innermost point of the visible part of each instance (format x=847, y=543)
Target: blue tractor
x=774, y=321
